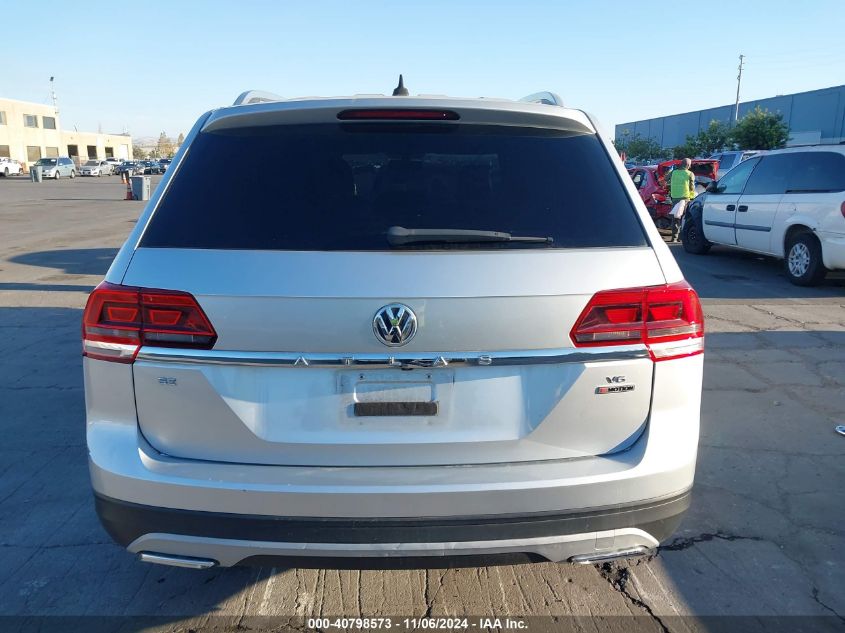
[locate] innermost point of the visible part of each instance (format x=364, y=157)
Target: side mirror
x=713, y=187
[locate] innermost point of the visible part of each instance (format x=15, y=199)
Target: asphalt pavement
x=764, y=535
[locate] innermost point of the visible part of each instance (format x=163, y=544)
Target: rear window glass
x=817, y=172
x=343, y=186
x=727, y=161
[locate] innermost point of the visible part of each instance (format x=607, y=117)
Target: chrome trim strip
x=400, y=361
x=229, y=552
x=591, y=559
x=177, y=561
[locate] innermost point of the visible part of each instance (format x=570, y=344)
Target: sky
x=155, y=66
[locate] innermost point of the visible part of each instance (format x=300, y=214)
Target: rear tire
x=692, y=237
x=804, y=266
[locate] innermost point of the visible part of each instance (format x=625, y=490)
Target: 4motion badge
x=615, y=384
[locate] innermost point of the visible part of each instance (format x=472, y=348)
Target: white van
x=787, y=203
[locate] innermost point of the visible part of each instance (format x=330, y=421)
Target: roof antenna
x=400, y=90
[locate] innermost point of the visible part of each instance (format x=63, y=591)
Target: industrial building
x=29, y=131
x=813, y=117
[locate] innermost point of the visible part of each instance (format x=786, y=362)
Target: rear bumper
x=230, y=539
x=833, y=250
x=229, y=512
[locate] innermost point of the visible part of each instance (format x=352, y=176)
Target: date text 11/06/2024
x=417, y=623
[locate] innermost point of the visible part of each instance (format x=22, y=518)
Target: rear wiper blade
x=399, y=235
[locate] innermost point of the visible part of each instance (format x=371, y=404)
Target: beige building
x=29, y=131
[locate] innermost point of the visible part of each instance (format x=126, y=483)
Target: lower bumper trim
x=126, y=522
x=605, y=545
x=231, y=539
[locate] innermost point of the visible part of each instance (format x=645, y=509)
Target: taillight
x=118, y=320
x=668, y=319
x=397, y=114
x=842, y=209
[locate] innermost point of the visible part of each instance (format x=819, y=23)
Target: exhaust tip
x=598, y=557
x=189, y=562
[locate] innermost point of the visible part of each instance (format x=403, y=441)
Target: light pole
x=53, y=95
x=738, y=83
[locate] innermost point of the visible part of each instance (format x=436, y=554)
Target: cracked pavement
x=764, y=536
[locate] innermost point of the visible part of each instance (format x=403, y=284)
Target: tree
x=179, y=140
x=637, y=147
x=715, y=137
x=689, y=149
x=760, y=129
x=138, y=153
x=164, y=146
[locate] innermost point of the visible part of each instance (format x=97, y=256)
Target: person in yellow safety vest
x=681, y=189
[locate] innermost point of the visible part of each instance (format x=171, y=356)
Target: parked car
x=447, y=349
x=151, y=167
x=56, y=167
x=786, y=203
x=96, y=168
x=653, y=186
x=129, y=165
x=729, y=160
x=10, y=167
x=164, y=163
x=652, y=193
x=114, y=162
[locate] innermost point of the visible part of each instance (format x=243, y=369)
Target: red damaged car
x=652, y=182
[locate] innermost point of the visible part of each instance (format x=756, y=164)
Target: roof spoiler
x=546, y=98
x=259, y=96
x=256, y=96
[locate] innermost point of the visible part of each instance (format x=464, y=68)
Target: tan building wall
x=24, y=133
x=94, y=145
x=29, y=131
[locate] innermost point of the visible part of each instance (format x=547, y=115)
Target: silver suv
x=441, y=327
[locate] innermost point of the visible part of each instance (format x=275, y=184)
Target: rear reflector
x=118, y=320
x=393, y=114
x=668, y=319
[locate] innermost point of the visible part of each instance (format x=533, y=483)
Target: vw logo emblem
x=395, y=324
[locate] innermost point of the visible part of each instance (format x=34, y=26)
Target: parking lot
x=765, y=535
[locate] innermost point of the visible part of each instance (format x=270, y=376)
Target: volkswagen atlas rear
x=437, y=328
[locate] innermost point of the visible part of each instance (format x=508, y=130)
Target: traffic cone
x=129, y=195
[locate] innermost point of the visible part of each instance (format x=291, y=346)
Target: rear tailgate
x=291, y=264
x=276, y=388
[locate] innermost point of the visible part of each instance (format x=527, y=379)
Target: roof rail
x=547, y=98
x=256, y=96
